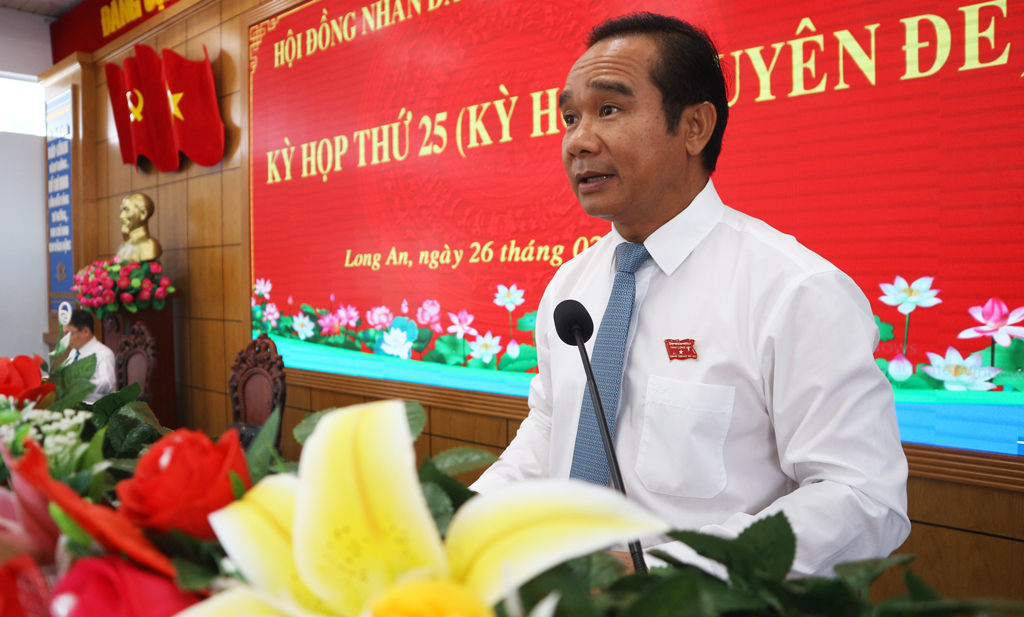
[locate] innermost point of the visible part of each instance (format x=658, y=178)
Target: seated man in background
x=734, y=364
x=84, y=343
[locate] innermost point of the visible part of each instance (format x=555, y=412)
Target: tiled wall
x=200, y=217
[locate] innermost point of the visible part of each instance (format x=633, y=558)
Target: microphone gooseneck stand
x=609, y=449
x=575, y=327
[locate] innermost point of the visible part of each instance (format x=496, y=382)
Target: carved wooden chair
x=135, y=359
x=257, y=387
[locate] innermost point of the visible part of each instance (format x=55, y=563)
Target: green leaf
x=124, y=464
x=860, y=574
x=737, y=558
x=773, y=544
x=917, y=381
x=917, y=588
x=528, y=322
x=191, y=575
x=129, y=430
x=9, y=417
x=423, y=338
x=131, y=307
x=463, y=459
x=435, y=356
x=68, y=526
x=109, y=404
x=1014, y=380
x=262, y=448
x=60, y=347
x=478, y=363
x=599, y=569
x=526, y=360
x=452, y=348
x=237, y=485
x=818, y=596
x=457, y=493
x=159, y=304
x=575, y=599
x=440, y=505
x=94, y=454
x=304, y=429
x=83, y=369
x=417, y=417
x=673, y=597
x=141, y=411
x=73, y=395
x=884, y=329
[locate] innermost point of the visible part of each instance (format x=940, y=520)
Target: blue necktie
x=589, y=461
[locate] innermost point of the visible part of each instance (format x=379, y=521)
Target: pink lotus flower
x=405, y=307
x=271, y=314
x=430, y=315
x=379, y=317
x=329, y=324
x=997, y=322
x=349, y=316
x=461, y=324
x=262, y=288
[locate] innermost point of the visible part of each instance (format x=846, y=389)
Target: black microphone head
x=570, y=315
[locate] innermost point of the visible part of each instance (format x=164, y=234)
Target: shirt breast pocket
x=682, y=445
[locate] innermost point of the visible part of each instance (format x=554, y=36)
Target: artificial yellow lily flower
x=352, y=534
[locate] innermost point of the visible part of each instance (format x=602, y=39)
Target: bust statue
x=138, y=245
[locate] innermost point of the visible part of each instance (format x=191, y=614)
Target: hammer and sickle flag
x=163, y=105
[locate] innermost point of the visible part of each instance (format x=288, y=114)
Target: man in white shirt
x=748, y=379
x=84, y=343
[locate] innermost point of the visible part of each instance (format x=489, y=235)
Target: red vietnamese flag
x=152, y=133
x=196, y=116
x=122, y=116
x=165, y=105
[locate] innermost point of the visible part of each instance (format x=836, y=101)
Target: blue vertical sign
x=59, y=130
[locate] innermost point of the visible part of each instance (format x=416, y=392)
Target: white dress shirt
x=104, y=378
x=783, y=409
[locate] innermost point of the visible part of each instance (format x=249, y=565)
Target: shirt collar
x=673, y=242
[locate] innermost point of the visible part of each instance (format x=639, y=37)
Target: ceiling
x=50, y=8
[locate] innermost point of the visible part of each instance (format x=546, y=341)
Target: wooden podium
x=143, y=343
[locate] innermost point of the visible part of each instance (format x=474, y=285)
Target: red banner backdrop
x=404, y=150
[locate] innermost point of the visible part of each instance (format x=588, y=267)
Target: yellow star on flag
x=174, y=98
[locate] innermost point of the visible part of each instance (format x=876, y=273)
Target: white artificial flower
x=907, y=297
x=303, y=326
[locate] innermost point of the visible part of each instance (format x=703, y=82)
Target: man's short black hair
x=687, y=73
x=82, y=319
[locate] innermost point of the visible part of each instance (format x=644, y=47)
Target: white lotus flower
x=959, y=374
x=303, y=326
x=906, y=297
x=485, y=347
x=396, y=343
x=509, y=297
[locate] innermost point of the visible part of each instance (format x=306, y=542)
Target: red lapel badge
x=680, y=349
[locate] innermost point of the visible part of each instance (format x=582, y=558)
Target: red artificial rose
x=155, y=268
x=21, y=378
x=111, y=586
x=165, y=281
x=147, y=284
x=181, y=480
x=144, y=295
x=123, y=282
x=127, y=298
x=103, y=524
x=23, y=589
x=160, y=293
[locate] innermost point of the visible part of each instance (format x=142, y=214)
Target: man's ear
x=699, y=122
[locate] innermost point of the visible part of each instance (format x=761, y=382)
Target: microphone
x=575, y=327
